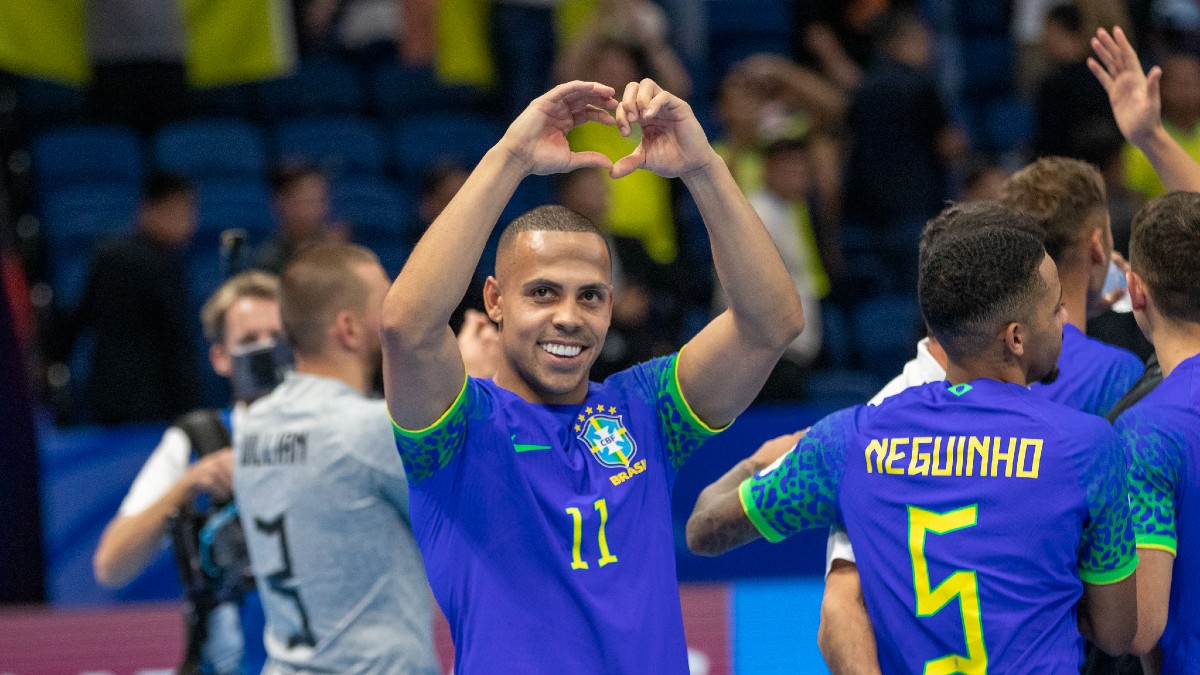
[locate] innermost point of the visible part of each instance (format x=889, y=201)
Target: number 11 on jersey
x=606, y=556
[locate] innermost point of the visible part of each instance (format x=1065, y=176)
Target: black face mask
x=259, y=368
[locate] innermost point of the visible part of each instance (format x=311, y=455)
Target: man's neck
x=961, y=372
x=342, y=368
x=509, y=379
x=1074, y=280
x=1181, y=123
x=1175, y=343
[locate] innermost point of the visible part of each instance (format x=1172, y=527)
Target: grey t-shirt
x=135, y=30
x=324, y=503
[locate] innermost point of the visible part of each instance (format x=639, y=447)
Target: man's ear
x=1096, y=248
x=491, y=301
x=1139, y=294
x=221, y=360
x=1014, y=339
x=347, y=330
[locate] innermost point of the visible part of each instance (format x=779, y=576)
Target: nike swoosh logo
x=525, y=447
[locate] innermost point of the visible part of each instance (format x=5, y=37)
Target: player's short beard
x=1050, y=377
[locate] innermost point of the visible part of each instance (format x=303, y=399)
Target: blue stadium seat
x=886, y=333
x=836, y=338
x=341, y=145
x=74, y=221
x=87, y=154
x=1008, y=124
x=841, y=388
x=372, y=204
x=381, y=217
x=318, y=87
x=42, y=102
x=399, y=91
x=234, y=204
x=420, y=143
x=212, y=149
x=748, y=17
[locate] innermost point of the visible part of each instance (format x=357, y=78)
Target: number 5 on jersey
x=962, y=584
x=606, y=557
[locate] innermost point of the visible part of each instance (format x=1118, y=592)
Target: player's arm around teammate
x=417, y=340
x=727, y=363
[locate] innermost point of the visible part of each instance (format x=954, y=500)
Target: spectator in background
x=137, y=50
x=645, y=316
x=143, y=367
x=1071, y=107
x=903, y=145
x=244, y=312
x=765, y=98
x=1180, y=91
x=372, y=30
x=302, y=211
x=783, y=205
x=641, y=205
x=524, y=46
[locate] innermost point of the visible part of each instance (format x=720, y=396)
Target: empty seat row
x=220, y=149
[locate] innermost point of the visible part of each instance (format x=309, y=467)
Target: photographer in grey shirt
x=322, y=492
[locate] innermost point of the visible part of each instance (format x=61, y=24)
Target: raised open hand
x=538, y=137
x=1133, y=95
x=673, y=143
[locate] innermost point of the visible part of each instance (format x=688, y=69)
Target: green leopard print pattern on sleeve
x=1155, y=470
x=799, y=492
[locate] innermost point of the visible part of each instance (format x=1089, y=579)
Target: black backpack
x=210, y=547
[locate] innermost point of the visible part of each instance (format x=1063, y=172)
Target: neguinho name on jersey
x=984, y=456
x=287, y=448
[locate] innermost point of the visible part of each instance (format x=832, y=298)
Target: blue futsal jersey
x=976, y=512
x=1092, y=375
x=1162, y=433
x=546, y=529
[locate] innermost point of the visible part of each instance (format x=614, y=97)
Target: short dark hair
x=893, y=23
x=1164, y=249
x=1058, y=194
x=285, y=176
x=317, y=284
x=969, y=216
x=548, y=218
x=162, y=185
x=974, y=282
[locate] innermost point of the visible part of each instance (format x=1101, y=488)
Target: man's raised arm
x=727, y=363
x=423, y=369
x=1137, y=108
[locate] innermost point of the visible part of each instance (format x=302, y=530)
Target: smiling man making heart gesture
x=541, y=501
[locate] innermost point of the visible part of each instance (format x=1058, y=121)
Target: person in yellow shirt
x=1180, y=90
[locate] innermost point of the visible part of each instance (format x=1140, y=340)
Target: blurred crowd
x=848, y=124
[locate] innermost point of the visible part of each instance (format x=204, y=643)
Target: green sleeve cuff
x=401, y=432
x=756, y=517
x=1157, y=542
x=676, y=393
x=1120, y=573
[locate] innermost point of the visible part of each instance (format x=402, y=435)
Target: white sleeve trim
x=838, y=548
x=164, y=468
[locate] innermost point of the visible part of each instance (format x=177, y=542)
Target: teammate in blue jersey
x=981, y=513
x=541, y=501
x=1066, y=199
x=1162, y=431
x=1065, y=202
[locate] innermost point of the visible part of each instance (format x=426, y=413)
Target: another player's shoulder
x=1089, y=351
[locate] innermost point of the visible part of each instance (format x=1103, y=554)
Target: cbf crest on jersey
x=602, y=430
